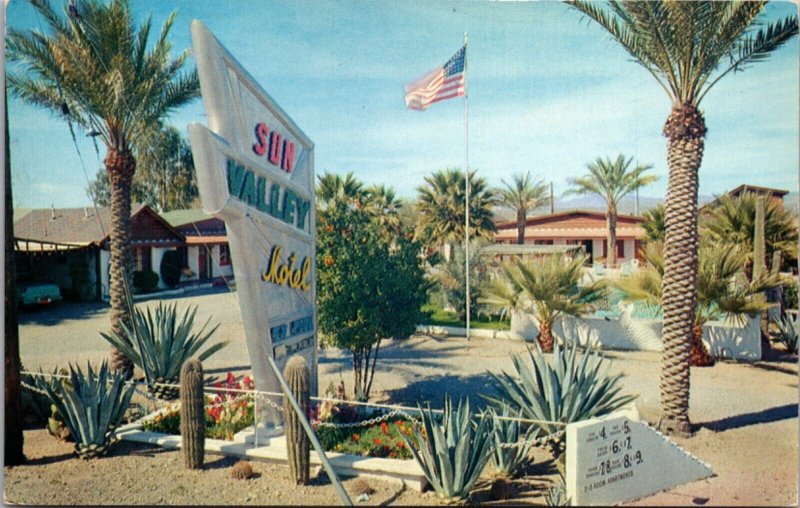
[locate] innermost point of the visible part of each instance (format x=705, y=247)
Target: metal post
x=466, y=184
x=311, y=435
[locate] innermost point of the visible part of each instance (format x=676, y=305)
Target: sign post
x=255, y=171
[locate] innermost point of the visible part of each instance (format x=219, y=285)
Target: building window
x=142, y=259
x=543, y=242
x=224, y=255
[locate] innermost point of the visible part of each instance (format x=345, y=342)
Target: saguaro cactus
x=193, y=420
x=297, y=446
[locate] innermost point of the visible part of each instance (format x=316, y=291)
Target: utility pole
x=552, y=201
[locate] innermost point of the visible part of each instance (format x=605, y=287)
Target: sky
x=548, y=92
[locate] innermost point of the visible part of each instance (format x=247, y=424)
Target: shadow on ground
x=52, y=315
x=773, y=414
x=433, y=388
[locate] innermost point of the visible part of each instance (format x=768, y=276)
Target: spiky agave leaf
x=452, y=453
x=508, y=460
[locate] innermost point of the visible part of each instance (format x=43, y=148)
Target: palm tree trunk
x=685, y=130
x=120, y=167
x=611, y=223
x=546, y=337
x=520, y=227
x=699, y=356
x=13, y=455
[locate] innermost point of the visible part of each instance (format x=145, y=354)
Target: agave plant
x=159, y=343
x=787, y=333
x=511, y=443
x=452, y=454
x=557, y=495
x=570, y=388
x=91, y=405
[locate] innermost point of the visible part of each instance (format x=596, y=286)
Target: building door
x=588, y=247
x=202, y=263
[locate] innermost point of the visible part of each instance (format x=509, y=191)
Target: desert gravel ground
x=746, y=416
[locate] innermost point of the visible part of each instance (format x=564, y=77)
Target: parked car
x=38, y=293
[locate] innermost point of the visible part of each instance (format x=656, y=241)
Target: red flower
x=377, y=441
x=384, y=428
x=230, y=379
x=399, y=444
x=355, y=437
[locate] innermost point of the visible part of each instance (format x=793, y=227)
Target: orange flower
x=384, y=428
x=377, y=441
x=355, y=437
x=399, y=444
x=328, y=260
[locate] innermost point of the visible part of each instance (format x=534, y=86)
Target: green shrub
x=145, y=280
x=170, y=269
x=453, y=453
x=790, y=296
x=91, y=405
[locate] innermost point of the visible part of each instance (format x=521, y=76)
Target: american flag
x=439, y=84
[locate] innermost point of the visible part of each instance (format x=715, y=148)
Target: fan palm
x=654, y=223
x=687, y=47
x=95, y=69
x=547, y=287
x=732, y=219
x=332, y=188
x=384, y=206
x=721, y=290
x=611, y=180
x=442, y=214
x=523, y=195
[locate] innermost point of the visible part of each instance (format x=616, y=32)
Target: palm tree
x=451, y=277
x=384, y=206
x=442, y=213
x=332, y=187
x=547, y=287
x=687, y=47
x=95, y=69
x=654, y=223
x=523, y=195
x=611, y=180
x=721, y=290
x=732, y=219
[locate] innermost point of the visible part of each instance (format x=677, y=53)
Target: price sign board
x=616, y=459
x=255, y=171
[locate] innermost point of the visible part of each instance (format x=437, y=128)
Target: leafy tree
x=334, y=188
x=732, y=219
x=546, y=287
x=369, y=287
x=654, y=226
x=523, y=195
x=720, y=288
x=611, y=180
x=95, y=69
x=687, y=47
x=450, y=276
x=165, y=176
x=442, y=211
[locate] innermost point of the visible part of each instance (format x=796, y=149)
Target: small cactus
x=193, y=419
x=361, y=487
x=242, y=470
x=297, y=446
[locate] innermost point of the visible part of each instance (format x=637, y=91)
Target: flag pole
x=466, y=185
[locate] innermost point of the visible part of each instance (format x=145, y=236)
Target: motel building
x=205, y=254
x=578, y=228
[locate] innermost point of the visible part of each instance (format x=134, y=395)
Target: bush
x=790, y=296
x=145, y=280
x=170, y=269
x=450, y=279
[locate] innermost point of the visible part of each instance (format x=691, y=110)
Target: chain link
x=538, y=442
x=366, y=423
x=33, y=388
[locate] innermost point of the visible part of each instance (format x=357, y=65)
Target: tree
x=720, y=288
x=687, y=47
x=451, y=277
x=442, y=211
x=370, y=287
x=611, y=180
x=165, y=177
x=13, y=451
x=385, y=208
x=523, y=195
x=653, y=224
x=546, y=287
x=95, y=69
x=333, y=188
x=732, y=219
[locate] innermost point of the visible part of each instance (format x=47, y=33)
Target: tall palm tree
x=687, y=47
x=332, y=187
x=97, y=70
x=611, y=180
x=547, y=287
x=733, y=219
x=523, y=195
x=442, y=214
x=384, y=206
x=721, y=291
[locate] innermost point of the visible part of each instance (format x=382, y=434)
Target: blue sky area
x=548, y=92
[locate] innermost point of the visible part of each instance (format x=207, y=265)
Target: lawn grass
x=441, y=317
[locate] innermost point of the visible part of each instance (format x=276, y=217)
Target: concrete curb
x=480, y=333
